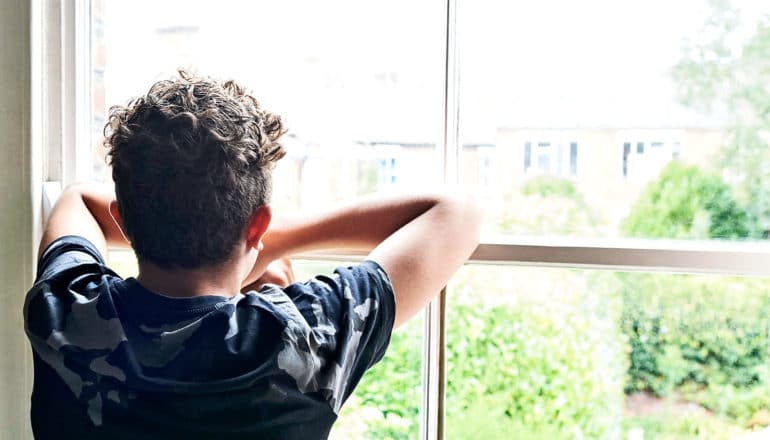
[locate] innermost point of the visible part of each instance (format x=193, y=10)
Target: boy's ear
x=258, y=225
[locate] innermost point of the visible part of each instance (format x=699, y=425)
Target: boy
x=180, y=352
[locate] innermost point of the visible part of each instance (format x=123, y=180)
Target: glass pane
x=570, y=354
x=661, y=107
x=361, y=98
x=360, y=91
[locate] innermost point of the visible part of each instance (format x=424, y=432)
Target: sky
x=374, y=70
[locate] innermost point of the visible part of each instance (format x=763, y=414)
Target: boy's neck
x=186, y=283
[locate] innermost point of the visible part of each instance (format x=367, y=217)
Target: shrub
x=546, y=205
x=686, y=202
x=705, y=337
x=695, y=332
x=537, y=369
x=549, y=186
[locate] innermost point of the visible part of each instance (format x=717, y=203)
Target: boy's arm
x=420, y=241
x=83, y=209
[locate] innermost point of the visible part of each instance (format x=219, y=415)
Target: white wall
x=16, y=215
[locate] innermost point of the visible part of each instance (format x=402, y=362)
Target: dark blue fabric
x=114, y=360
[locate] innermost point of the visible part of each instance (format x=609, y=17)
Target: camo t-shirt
x=114, y=360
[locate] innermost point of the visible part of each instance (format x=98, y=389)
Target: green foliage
x=686, y=202
x=546, y=205
x=713, y=75
x=695, y=332
x=483, y=419
x=540, y=370
x=548, y=186
x=694, y=335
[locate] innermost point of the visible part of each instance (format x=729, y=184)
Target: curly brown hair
x=191, y=161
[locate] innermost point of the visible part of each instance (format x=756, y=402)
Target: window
x=361, y=104
x=557, y=159
x=531, y=348
x=543, y=153
x=570, y=158
x=388, y=174
x=486, y=154
x=649, y=158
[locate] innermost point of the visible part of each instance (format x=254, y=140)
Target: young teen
x=185, y=350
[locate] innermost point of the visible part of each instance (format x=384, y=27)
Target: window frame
x=63, y=84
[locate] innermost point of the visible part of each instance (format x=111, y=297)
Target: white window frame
x=669, y=140
x=61, y=83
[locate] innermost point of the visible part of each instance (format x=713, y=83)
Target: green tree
x=686, y=202
x=720, y=73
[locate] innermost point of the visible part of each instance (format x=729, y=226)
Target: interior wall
x=16, y=215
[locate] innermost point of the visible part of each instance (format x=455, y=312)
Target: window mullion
x=433, y=369
x=49, y=82
x=449, y=152
x=75, y=90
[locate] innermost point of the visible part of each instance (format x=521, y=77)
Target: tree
x=720, y=73
x=686, y=202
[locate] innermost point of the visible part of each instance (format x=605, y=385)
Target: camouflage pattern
x=112, y=358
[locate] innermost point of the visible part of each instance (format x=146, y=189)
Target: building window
x=543, y=157
x=486, y=155
x=644, y=162
x=551, y=158
x=387, y=173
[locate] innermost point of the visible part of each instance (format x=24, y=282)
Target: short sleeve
x=65, y=254
x=350, y=316
x=67, y=267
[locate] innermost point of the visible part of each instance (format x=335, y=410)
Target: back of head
x=191, y=161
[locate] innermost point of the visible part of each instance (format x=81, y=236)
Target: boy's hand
x=278, y=272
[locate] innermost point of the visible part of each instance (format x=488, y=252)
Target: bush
x=692, y=333
x=549, y=186
x=546, y=206
x=686, y=202
x=540, y=369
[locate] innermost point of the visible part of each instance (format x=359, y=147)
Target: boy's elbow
x=475, y=214
x=466, y=210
